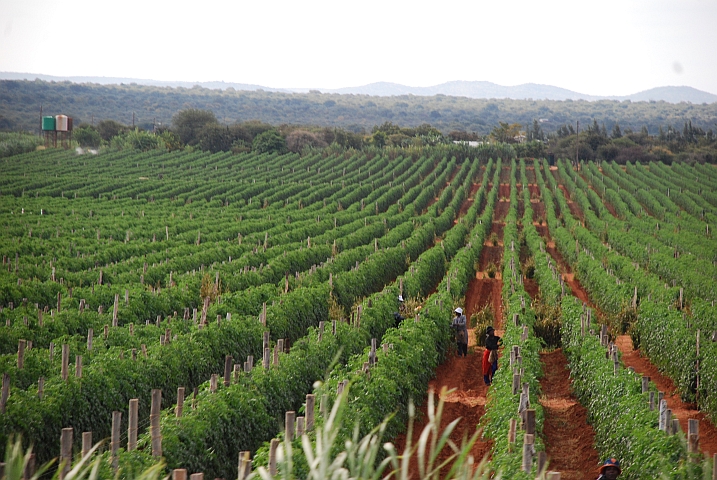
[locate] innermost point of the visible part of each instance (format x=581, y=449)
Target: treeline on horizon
x=229, y=120
x=20, y=102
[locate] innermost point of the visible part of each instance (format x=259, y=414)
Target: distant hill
x=526, y=91
x=459, y=88
x=147, y=106
x=138, y=81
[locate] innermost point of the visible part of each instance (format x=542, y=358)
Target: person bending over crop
x=490, y=355
x=460, y=326
x=610, y=470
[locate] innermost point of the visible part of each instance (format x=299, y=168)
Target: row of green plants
x=222, y=422
x=312, y=306
x=298, y=309
x=668, y=336
x=619, y=412
x=617, y=408
x=402, y=373
x=228, y=273
x=247, y=302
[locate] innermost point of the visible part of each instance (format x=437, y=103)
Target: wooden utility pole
x=577, y=143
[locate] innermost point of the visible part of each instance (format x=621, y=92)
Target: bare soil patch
x=501, y=211
x=569, y=439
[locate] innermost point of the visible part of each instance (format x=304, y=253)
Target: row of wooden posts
x=667, y=424
x=302, y=423
x=525, y=412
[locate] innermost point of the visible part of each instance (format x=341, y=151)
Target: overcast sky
x=605, y=47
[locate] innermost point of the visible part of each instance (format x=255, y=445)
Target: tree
x=616, y=132
x=505, y=132
x=379, y=138
x=87, y=136
x=188, y=123
x=137, y=140
x=110, y=128
x=297, y=140
x=215, y=138
x=536, y=133
x=269, y=141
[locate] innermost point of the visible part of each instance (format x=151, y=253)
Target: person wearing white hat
x=397, y=316
x=460, y=326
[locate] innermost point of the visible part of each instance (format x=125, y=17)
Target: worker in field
x=460, y=327
x=398, y=316
x=610, y=470
x=490, y=355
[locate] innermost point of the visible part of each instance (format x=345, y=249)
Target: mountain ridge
x=458, y=88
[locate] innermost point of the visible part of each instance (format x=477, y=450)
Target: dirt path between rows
x=569, y=439
x=463, y=375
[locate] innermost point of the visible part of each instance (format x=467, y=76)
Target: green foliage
x=270, y=141
x=87, y=136
x=188, y=124
x=137, y=140
x=110, y=128
x=16, y=143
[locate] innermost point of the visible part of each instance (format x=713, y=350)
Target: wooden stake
x=527, y=453
x=154, y=416
x=512, y=429
x=5, y=391
x=133, y=421
x=310, y=405
x=114, y=310
x=542, y=462
x=65, y=452
x=78, y=366
x=86, y=443
x=90, y=335
x=115, y=438
x=228, y=364
x=180, y=402
x=21, y=344
x=289, y=425
x=244, y=465
x=273, y=447
x=266, y=359
x=179, y=474
x=693, y=431
x=530, y=422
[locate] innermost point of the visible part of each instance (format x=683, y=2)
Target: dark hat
x=490, y=329
x=610, y=462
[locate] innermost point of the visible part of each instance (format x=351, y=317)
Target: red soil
x=569, y=439
x=468, y=398
x=504, y=191
x=501, y=210
x=531, y=287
